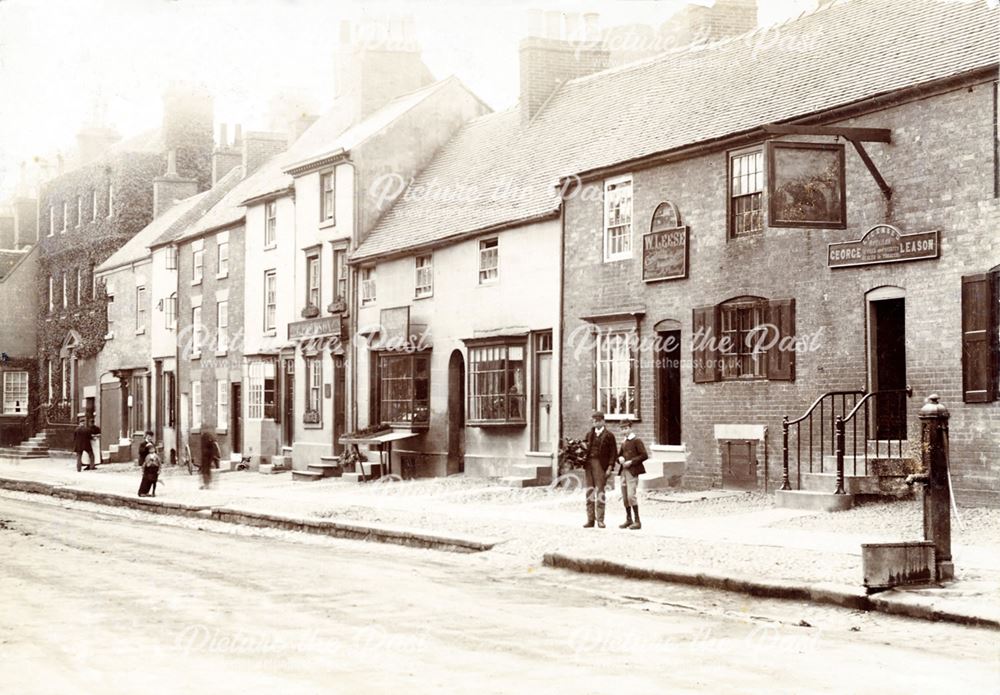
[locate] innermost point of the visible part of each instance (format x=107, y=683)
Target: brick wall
x=940, y=166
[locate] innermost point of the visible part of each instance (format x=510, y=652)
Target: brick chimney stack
x=258, y=147
x=377, y=61
x=560, y=47
x=696, y=24
x=171, y=187
x=226, y=156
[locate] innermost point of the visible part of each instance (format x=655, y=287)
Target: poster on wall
x=665, y=246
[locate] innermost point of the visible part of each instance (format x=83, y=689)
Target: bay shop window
x=261, y=392
x=497, y=384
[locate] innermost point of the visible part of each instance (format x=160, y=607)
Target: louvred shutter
x=781, y=353
x=979, y=338
x=704, y=341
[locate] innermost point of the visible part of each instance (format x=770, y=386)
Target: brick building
x=743, y=204
x=86, y=214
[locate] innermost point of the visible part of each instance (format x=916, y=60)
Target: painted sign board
x=884, y=243
x=665, y=246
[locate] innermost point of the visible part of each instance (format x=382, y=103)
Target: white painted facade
x=520, y=304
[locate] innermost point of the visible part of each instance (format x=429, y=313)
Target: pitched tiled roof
x=332, y=132
x=497, y=170
x=137, y=247
x=209, y=205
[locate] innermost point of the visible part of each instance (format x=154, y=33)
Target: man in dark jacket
x=630, y=458
x=601, y=450
x=82, y=443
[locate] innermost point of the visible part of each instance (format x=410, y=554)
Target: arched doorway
x=886, y=315
x=668, y=381
x=69, y=386
x=456, y=413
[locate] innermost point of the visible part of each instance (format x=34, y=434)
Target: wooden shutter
x=781, y=355
x=979, y=338
x=704, y=341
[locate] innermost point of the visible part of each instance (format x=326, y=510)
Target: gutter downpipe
x=562, y=322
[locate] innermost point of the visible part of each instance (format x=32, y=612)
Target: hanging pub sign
x=883, y=243
x=665, y=247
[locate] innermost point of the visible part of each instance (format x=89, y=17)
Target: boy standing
x=630, y=458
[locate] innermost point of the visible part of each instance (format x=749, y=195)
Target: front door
x=668, y=376
x=339, y=404
x=111, y=412
x=456, y=413
x=888, y=367
x=543, y=430
x=236, y=415
x=288, y=402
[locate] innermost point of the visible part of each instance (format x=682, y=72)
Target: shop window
x=496, y=384
x=980, y=338
x=746, y=193
x=138, y=416
x=405, y=381
x=261, y=402
x=616, y=393
x=618, y=218
x=15, y=393
x=744, y=338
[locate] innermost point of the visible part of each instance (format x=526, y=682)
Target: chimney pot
x=223, y=136
x=172, y=163
x=237, y=135
x=553, y=22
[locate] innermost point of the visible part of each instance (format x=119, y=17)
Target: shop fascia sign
x=883, y=243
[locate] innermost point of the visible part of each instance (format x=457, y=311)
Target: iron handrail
x=787, y=424
x=840, y=424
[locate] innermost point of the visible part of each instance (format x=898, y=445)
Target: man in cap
x=601, y=450
x=630, y=458
x=83, y=441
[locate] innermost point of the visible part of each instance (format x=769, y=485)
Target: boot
x=628, y=518
x=637, y=525
x=590, y=513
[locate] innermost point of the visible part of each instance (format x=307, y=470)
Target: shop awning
x=380, y=439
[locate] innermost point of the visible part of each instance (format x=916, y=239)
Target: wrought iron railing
x=883, y=417
x=820, y=421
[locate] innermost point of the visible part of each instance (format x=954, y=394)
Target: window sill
x=195, y=283
x=196, y=355
x=488, y=283
x=270, y=247
x=617, y=418
x=270, y=333
x=497, y=423
x=222, y=276
x=326, y=224
x=423, y=296
x=140, y=331
x=110, y=336
x=195, y=430
x=312, y=426
x=221, y=430
x=15, y=414
x=616, y=259
x=369, y=302
x=221, y=353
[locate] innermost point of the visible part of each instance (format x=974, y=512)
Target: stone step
x=541, y=472
x=306, y=476
x=518, y=481
x=814, y=501
x=651, y=481
x=373, y=471
x=327, y=470
x=853, y=484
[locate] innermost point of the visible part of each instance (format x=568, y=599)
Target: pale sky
x=56, y=56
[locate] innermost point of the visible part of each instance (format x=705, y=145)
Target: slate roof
x=137, y=248
x=332, y=132
x=205, y=207
x=844, y=52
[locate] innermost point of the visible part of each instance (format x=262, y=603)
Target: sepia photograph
x=511, y=346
